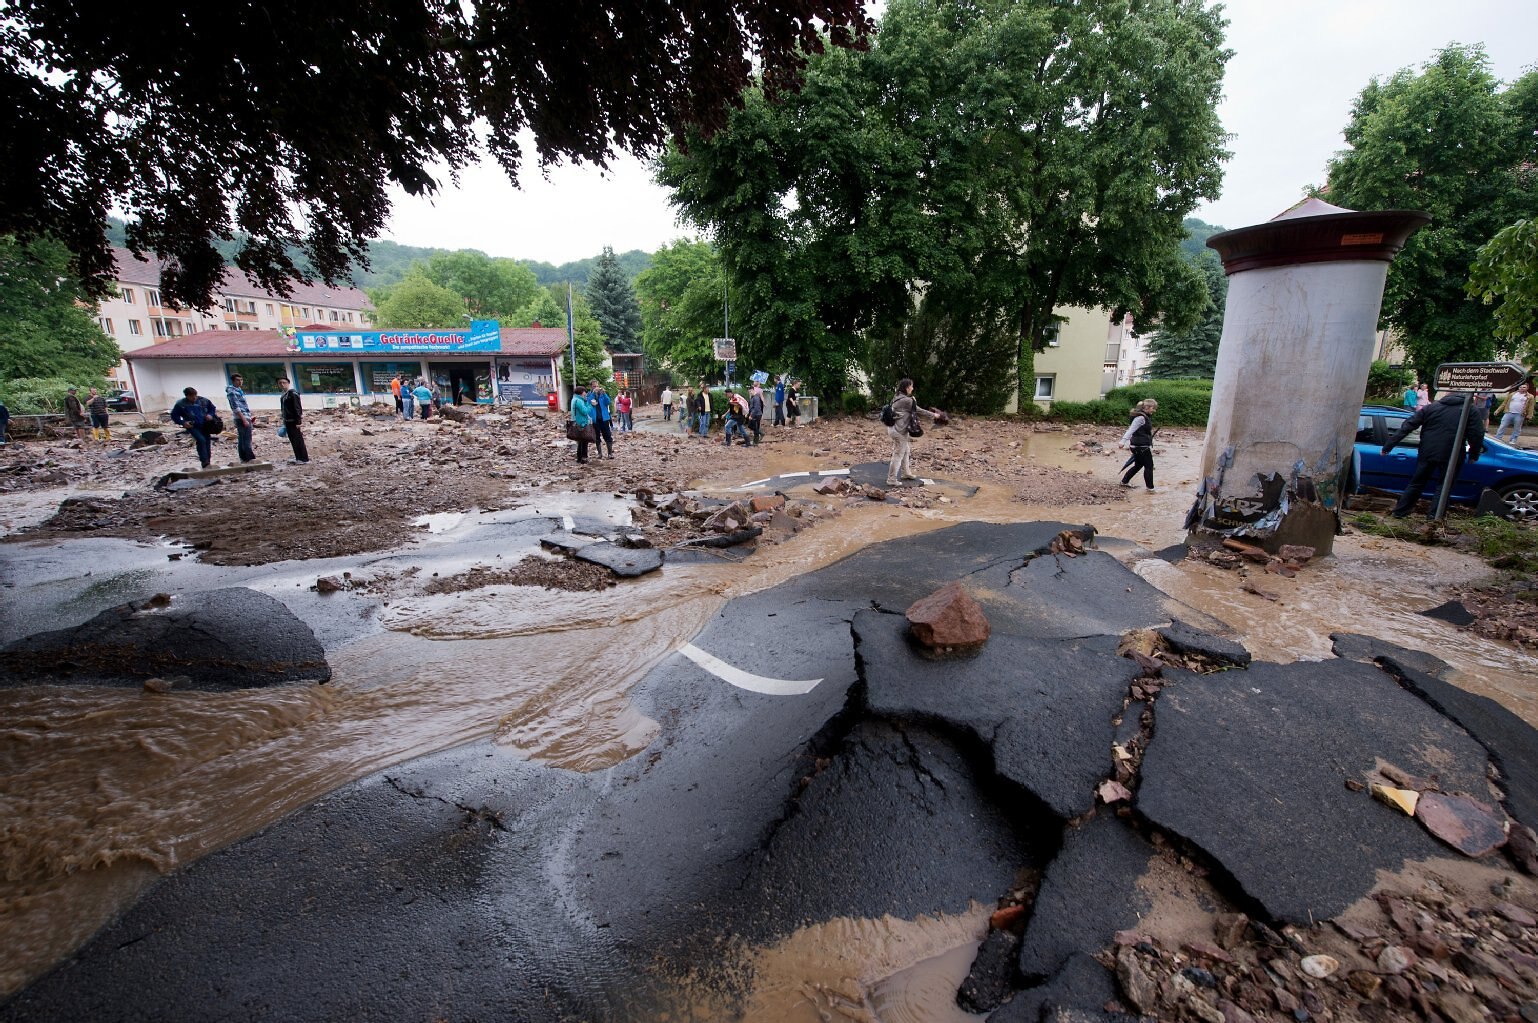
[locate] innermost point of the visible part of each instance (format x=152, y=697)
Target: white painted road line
x=833, y=472
x=747, y=680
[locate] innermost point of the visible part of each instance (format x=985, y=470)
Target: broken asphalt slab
x=232, y=638
x=1251, y=767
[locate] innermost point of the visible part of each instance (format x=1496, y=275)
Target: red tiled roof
x=534, y=342
x=133, y=270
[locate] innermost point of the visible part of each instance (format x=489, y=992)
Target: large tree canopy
x=1449, y=141
x=418, y=303
x=46, y=330
x=681, y=296
x=288, y=120
x=1507, y=269
x=985, y=163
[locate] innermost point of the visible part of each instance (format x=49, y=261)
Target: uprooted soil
x=370, y=475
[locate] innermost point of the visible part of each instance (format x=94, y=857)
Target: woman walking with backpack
x=904, y=427
x=1139, y=437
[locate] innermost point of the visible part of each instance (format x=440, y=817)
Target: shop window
x=324, y=378
x=1044, y=387
x=259, y=377
x=376, y=375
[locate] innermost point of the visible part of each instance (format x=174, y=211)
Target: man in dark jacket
x=192, y=413
x=1439, y=444
x=293, y=415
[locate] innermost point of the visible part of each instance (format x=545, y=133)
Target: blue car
x=1511, y=473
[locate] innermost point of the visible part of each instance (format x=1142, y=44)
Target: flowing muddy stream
x=101, y=789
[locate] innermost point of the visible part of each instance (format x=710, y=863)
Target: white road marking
x=747, y=680
x=805, y=472
x=833, y=472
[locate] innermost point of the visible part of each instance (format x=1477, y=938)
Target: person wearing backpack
x=905, y=411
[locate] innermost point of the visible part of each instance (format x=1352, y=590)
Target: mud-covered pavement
x=623, y=833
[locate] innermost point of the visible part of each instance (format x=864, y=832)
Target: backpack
x=888, y=417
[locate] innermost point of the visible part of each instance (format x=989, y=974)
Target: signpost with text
x=1495, y=377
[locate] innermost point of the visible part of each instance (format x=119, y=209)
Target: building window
x=1112, y=352
x=376, y=375
x=133, y=327
x=307, y=312
x=269, y=309
x=1044, y=387
x=152, y=298
x=324, y=378
x=106, y=324
x=159, y=327
x=257, y=377
x=229, y=305
x=128, y=295
x=1052, y=334
x=334, y=316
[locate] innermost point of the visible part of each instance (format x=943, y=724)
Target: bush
x=1386, y=383
x=856, y=403
x=40, y=396
x=1181, y=403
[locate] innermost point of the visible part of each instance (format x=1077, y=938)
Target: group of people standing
x=412, y=397
x=592, y=410
x=197, y=416
x=75, y=413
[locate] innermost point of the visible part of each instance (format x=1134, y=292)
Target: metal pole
x=1454, y=460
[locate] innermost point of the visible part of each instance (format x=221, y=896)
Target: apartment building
x=137, y=317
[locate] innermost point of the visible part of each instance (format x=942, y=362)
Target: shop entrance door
x=455, y=381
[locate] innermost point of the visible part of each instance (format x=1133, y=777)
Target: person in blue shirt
x=241, y=412
x=424, y=396
x=191, y=413
x=779, y=401
x=603, y=415
x=582, y=414
x=5, y=421
x=1411, y=399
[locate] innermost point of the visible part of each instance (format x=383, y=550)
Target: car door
x=1396, y=467
x=1375, y=469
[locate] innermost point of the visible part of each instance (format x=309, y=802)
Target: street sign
x=1496, y=377
x=726, y=348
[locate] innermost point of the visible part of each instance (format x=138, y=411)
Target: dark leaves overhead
x=288, y=121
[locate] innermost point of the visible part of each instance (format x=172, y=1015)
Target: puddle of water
x=438, y=522
x=866, y=971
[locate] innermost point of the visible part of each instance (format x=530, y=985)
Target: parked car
x=122, y=401
x=1510, y=472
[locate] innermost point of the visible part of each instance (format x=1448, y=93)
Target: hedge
x=40, y=396
x=1181, y=403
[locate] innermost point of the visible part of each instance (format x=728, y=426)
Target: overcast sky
x=1296, y=68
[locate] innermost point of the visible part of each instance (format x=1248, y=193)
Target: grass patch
x=1509, y=546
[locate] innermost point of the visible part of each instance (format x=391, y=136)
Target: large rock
x=622, y=561
x=1252, y=765
x=233, y=638
x=948, y=617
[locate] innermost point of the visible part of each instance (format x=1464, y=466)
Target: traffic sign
x=726, y=348
x=1497, y=377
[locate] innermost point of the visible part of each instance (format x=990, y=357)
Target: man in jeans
x=241, y=412
x=293, y=416
x=1516, y=410
x=191, y=413
x=702, y=404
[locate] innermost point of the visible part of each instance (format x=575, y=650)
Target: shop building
x=511, y=365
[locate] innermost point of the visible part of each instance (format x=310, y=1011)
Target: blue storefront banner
x=483, y=336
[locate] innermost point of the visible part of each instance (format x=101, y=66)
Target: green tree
x=1193, y=353
x=548, y=309
x=492, y=289
x=1448, y=141
x=1506, y=268
x=986, y=163
x=46, y=327
x=613, y=301
x=197, y=129
x=418, y=303
x=680, y=298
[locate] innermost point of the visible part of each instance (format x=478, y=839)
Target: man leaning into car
x=1438, y=424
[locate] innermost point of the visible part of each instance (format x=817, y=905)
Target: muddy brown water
x=102, y=790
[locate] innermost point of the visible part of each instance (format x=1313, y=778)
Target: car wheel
x=1521, y=501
